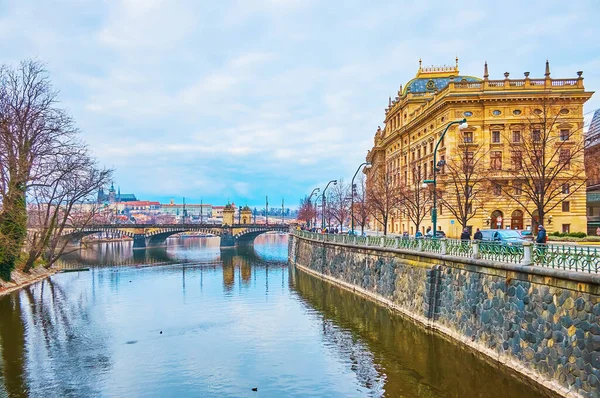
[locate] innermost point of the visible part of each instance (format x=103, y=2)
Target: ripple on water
x=230, y=321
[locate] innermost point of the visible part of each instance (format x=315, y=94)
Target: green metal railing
x=459, y=248
x=498, y=251
x=570, y=258
x=431, y=245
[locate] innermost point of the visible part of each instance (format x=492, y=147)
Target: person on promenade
x=466, y=235
x=478, y=235
x=428, y=233
x=419, y=234
x=541, y=235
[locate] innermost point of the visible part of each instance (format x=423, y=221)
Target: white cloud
x=250, y=97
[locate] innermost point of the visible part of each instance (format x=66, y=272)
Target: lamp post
x=316, y=190
x=316, y=200
x=368, y=166
x=463, y=125
x=323, y=203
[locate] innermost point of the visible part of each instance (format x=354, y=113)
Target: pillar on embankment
x=227, y=240
x=139, y=241
x=543, y=323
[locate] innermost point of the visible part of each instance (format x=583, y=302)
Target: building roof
x=593, y=133
x=142, y=203
x=126, y=197
x=186, y=205
x=423, y=85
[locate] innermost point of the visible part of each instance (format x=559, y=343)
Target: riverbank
x=540, y=322
x=20, y=279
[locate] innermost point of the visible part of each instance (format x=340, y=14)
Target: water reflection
x=267, y=248
x=412, y=362
x=191, y=320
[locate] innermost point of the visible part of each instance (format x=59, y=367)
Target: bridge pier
x=227, y=241
x=139, y=241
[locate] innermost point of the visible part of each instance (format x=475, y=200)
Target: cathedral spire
x=485, y=71
x=547, y=74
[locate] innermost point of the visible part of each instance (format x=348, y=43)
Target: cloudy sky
x=240, y=99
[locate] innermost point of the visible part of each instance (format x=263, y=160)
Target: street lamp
x=316, y=200
x=462, y=125
x=310, y=203
x=323, y=203
x=367, y=166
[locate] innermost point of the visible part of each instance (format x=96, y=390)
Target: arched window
x=516, y=220
x=497, y=221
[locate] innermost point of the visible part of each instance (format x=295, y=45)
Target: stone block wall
x=540, y=322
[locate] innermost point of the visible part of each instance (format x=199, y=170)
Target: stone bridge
x=145, y=235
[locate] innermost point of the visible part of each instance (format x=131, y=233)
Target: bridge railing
x=194, y=226
x=563, y=257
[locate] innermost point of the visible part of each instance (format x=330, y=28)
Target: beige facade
x=228, y=214
x=503, y=116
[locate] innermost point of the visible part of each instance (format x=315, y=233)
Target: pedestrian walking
x=478, y=235
x=466, y=235
x=541, y=235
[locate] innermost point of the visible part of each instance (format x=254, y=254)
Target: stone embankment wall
x=21, y=279
x=542, y=323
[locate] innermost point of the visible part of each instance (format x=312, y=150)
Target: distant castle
x=114, y=197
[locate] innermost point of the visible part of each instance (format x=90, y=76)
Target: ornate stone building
x=504, y=117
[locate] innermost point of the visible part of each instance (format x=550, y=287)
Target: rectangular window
x=564, y=135
x=469, y=208
x=468, y=136
x=566, y=188
x=517, y=160
x=538, y=187
x=537, y=158
x=518, y=187
x=565, y=158
x=443, y=160
x=566, y=206
x=536, y=135
x=495, y=137
x=497, y=189
x=566, y=228
x=468, y=163
x=516, y=136
x=496, y=160
x=431, y=147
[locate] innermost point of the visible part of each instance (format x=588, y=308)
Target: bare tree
x=361, y=209
x=306, y=211
x=464, y=186
x=62, y=203
x=34, y=133
x=339, y=205
x=547, y=164
x=416, y=199
x=382, y=198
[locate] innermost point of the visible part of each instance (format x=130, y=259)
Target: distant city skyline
x=236, y=100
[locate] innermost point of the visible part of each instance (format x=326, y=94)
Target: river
x=190, y=320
